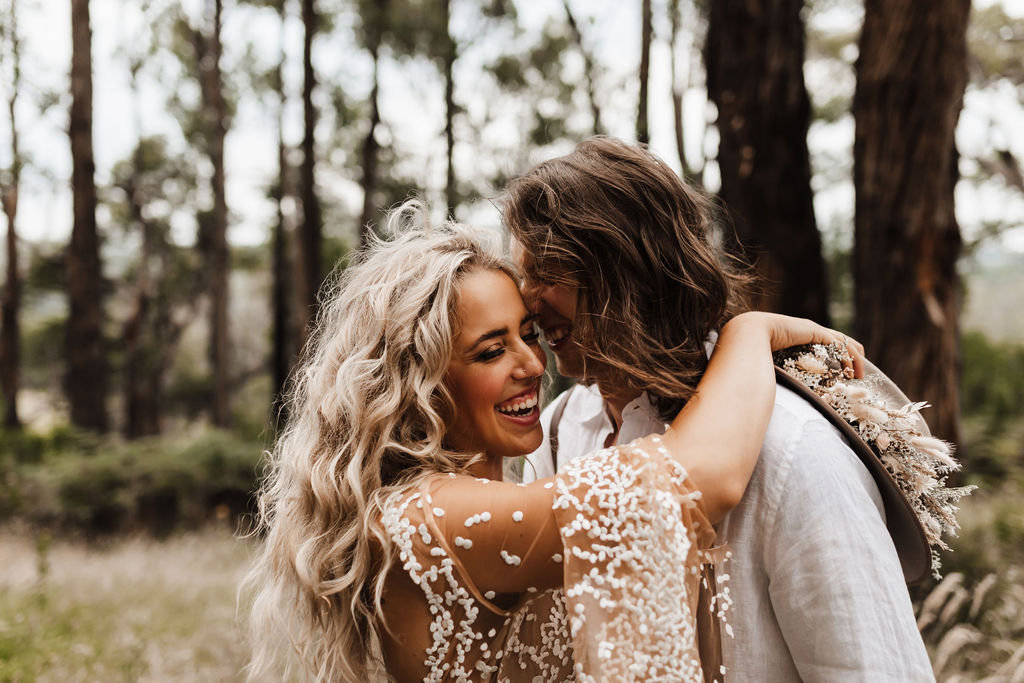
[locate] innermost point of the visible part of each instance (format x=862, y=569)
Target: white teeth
x=557, y=335
x=519, y=405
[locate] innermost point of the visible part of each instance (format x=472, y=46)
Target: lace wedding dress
x=592, y=575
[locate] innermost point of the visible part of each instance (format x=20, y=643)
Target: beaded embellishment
x=632, y=533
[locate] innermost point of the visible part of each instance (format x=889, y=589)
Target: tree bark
x=680, y=84
x=311, y=231
x=281, y=353
x=448, y=57
x=141, y=383
x=151, y=333
x=219, y=338
x=677, y=90
x=589, y=68
x=911, y=74
x=87, y=377
x=10, y=305
x=755, y=55
x=643, y=134
x=370, y=149
x=141, y=387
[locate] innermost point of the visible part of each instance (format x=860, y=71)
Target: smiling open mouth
x=557, y=336
x=519, y=406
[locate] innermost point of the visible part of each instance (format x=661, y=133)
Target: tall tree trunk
x=755, y=57
x=643, y=133
x=219, y=256
x=87, y=377
x=10, y=305
x=281, y=354
x=141, y=384
x=310, y=234
x=141, y=389
x=677, y=88
x=911, y=75
x=680, y=84
x=370, y=148
x=589, y=68
x=448, y=64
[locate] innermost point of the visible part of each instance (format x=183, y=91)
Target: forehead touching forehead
x=522, y=258
x=543, y=268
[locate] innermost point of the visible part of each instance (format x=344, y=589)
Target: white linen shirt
x=817, y=586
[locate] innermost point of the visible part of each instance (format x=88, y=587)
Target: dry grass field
x=133, y=610
x=137, y=609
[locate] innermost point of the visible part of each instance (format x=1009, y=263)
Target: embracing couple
x=393, y=549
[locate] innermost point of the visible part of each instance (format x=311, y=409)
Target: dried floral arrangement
x=897, y=434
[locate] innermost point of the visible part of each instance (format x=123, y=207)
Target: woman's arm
x=718, y=434
x=505, y=538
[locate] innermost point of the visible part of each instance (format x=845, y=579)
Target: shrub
x=156, y=485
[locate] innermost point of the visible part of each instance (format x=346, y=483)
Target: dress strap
x=556, y=419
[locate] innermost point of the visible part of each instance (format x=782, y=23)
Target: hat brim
x=904, y=527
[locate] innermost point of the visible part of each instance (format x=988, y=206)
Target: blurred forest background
x=178, y=178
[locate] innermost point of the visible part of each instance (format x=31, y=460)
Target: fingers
x=786, y=331
x=853, y=362
x=854, y=358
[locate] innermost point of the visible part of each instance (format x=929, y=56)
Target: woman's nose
x=529, y=364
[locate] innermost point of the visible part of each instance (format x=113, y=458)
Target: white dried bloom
x=856, y=392
x=869, y=413
x=936, y=448
x=915, y=407
x=924, y=483
x=809, y=363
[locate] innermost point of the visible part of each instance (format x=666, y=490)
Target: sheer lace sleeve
x=485, y=560
x=621, y=530
x=635, y=537
x=502, y=537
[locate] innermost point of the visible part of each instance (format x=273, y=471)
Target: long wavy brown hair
x=616, y=222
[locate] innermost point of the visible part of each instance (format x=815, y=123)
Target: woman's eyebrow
x=501, y=332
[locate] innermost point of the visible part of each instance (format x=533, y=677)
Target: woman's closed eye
x=490, y=353
x=529, y=334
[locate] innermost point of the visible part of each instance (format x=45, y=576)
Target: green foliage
x=73, y=482
x=991, y=536
x=992, y=383
x=992, y=397
x=971, y=621
x=45, y=269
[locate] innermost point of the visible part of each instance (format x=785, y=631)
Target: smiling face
x=555, y=306
x=494, y=375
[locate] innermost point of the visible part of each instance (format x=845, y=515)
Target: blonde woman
x=393, y=550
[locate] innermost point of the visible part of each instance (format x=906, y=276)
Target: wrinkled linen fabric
x=591, y=575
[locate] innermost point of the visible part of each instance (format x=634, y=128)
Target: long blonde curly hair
x=367, y=417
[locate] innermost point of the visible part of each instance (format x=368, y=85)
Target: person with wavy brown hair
x=630, y=287
x=618, y=227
